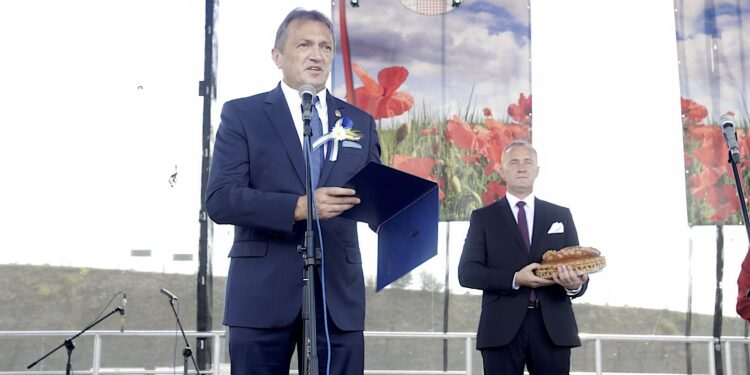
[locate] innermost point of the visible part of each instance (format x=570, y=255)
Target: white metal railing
x=467, y=337
x=598, y=338
x=97, y=349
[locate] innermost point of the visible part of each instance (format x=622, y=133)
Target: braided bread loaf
x=583, y=259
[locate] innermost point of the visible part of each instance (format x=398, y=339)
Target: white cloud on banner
x=731, y=42
x=475, y=52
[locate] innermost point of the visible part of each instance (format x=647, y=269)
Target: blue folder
x=404, y=210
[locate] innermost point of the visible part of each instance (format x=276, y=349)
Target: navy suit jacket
x=494, y=252
x=256, y=177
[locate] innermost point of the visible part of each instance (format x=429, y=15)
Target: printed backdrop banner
x=448, y=86
x=712, y=43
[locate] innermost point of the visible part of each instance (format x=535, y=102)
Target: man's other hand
x=526, y=277
x=567, y=277
x=330, y=202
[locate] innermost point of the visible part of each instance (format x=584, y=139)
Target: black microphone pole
x=69, y=345
x=187, y=352
x=730, y=135
x=309, y=253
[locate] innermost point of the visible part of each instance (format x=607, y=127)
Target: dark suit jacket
x=743, y=285
x=494, y=252
x=255, y=180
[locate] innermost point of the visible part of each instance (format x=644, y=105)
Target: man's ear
x=276, y=57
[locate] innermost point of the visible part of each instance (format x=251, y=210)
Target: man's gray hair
x=522, y=143
x=302, y=15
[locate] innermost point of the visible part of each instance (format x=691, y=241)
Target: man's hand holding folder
x=330, y=202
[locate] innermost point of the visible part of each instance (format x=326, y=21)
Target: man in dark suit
x=525, y=319
x=743, y=288
x=257, y=183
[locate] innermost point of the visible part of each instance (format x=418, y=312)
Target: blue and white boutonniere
x=342, y=132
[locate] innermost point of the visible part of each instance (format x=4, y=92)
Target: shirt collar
x=294, y=100
x=513, y=200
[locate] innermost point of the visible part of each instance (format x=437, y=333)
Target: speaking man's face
x=307, y=54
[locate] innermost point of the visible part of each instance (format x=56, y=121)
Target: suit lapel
x=334, y=107
x=277, y=110
x=510, y=221
x=540, y=213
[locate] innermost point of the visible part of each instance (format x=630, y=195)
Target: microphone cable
x=106, y=307
x=322, y=274
x=323, y=288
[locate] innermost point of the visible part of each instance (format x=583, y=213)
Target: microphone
x=123, y=317
x=727, y=125
x=169, y=294
x=306, y=92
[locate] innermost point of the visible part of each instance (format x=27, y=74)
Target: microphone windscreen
x=726, y=119
x=306, y=89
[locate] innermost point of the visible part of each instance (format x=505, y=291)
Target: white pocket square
x=351, y=144
x=556, y=227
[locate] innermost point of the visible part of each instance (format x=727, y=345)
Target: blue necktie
x=316, y=160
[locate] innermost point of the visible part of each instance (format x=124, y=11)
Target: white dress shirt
x=295, y=108
x=529, y=208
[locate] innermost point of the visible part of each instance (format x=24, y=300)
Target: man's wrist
x=300, y=209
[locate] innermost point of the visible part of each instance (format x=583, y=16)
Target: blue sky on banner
x=487, y=48
x=727, y=23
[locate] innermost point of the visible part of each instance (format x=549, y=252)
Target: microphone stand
x=740, y=193
x=312, y=260
x=69, y=345
x=187, y=352
x=743, y=206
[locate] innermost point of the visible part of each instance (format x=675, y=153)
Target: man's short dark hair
x=301, y=15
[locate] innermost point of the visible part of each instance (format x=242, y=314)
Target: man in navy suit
x=525, y=319
x=257, y=183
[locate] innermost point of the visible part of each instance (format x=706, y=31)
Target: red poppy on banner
x=521, y=111
x=692, y=112
x=493, y=192
x=421, y=167
x=380, y=99
x=485, y=140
